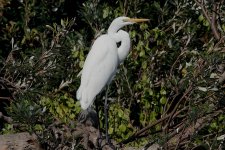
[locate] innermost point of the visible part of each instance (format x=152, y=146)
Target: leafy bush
x=170, y=88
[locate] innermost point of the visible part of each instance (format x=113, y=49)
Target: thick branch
x=211, y=21
x=205, y=13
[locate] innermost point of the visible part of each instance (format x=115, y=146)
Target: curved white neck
x=124, y=49
x=113, y=29
x=124, y=38
x=115, y=26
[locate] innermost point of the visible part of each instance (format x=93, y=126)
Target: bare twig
x=5, y=98
x=191, y=129
x=142, y=131
x=128, y=84
x=181, y=99
x=133, y=137
x=181, y=54
x=179, y=139
x=125, y=8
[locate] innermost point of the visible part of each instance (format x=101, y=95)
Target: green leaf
x=150, y=92
x=64, y=108
x=143, y=26
x=163, y=100
x=49, y=27
x=75, y=53
x=214, y=125
x=132, y=34
x=144, y=78
x=59, y=111
x=72, y=116
x=163, y=92
x=142, y=53
x=70, y=104
x=38, y=127
x=106, y=12
x=223, y=27
x=62, y=23
x=206, y=23
x=144, y=64
x=122, y=128
x=81, y=64
x=120, y=113
x=153, y=116
x=110, y=130
x=157, y=5
x=201, y=18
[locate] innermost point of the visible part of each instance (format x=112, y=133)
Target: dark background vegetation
x=170, y=90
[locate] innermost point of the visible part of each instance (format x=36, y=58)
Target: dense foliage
x=169, y=91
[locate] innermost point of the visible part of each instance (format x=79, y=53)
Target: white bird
x=102, y=61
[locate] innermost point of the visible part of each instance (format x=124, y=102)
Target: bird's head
x=123, y=21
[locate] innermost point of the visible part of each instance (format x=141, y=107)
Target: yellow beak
x=135, y=20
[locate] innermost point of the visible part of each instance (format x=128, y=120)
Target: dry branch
x=211, y=18
x=191, y=129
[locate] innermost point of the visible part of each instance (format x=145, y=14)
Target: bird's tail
x=83, y=97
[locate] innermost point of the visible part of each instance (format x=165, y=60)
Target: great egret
x=102, y=61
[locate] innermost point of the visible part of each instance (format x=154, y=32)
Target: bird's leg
x=106, y=119
x=99, y=140
x=106, y=114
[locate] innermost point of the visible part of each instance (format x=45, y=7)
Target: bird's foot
x=110, y=144
x=105, y=143
x=99, y=141
x=83, y=116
